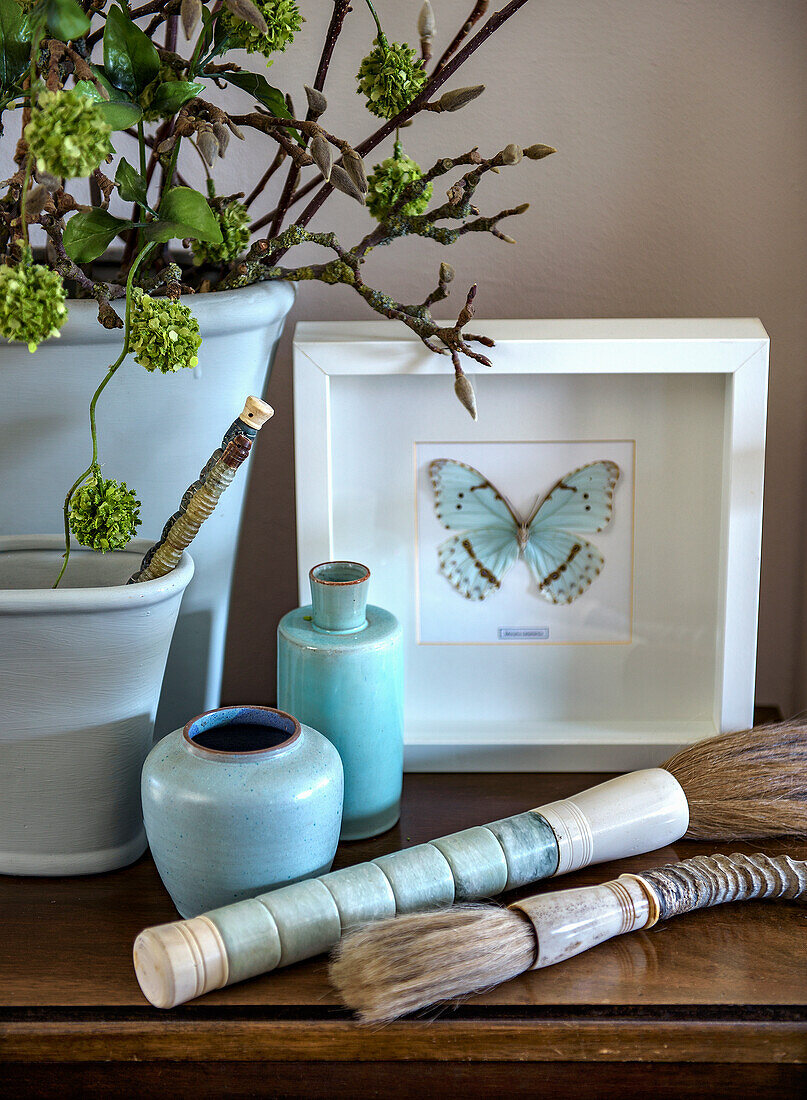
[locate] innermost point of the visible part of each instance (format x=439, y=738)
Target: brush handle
x=568, y=922
x=703, y=881
x=196, y=508
x=635, y=813
x=200, y=498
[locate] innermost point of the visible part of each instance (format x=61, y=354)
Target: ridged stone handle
x=702, y=881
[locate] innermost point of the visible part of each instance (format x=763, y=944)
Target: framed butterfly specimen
x=492, y=536
x=576, y=573
x=525, y=542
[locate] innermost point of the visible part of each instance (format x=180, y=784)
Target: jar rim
x=251, y=715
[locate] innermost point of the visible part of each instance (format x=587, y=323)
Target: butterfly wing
x=562, y=562
x=476, y=563
x=582, y=501
x=467, y=501
x=476, y=560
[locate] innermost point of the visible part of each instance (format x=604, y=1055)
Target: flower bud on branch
x=457, y=98
x=222, y=136
x=190, y=13
x=427, y=25
x=320, y=150
x=511, y=154
x=342, y=182
x=317, y=103
x=465, y=392
x=354, y=166
x=538, y=152
x=208, y=145
x=246, y=10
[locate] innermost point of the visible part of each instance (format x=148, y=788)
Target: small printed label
x=523, y=633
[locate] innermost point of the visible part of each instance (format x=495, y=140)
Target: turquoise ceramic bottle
x=340, y=669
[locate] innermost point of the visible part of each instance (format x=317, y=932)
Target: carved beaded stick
x=751, y=783
x=199, y=499
x=397, y=966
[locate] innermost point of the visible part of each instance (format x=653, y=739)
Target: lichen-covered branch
x=102, y=293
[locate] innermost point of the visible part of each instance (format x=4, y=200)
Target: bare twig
x=478, y=12
x=338, y=15
x=279, y=157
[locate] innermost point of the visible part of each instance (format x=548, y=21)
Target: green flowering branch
x=74, y=103
x=110, y=374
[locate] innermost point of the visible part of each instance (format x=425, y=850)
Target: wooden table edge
x=612, y=1040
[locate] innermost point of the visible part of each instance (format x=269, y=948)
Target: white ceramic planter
x=155, y=433
x=80, y=675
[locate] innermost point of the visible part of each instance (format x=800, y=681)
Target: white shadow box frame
x=687, y=398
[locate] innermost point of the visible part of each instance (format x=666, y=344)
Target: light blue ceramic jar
x=242, y=800
x=340, y=668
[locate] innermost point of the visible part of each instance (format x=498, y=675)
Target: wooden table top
x=724, y=986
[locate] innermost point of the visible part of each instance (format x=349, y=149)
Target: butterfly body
x=493, y=536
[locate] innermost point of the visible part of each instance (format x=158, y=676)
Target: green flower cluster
x=283, y=20
x=233, y=218
x=32, y=301
x=386, y=183
x=104, y=514
x=68, y=135
x=164, y=334
x=390, y=77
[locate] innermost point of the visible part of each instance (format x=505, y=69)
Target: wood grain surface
x=724, y=988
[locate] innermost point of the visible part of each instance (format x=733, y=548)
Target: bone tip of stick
x=175, y=963
x=256, y=412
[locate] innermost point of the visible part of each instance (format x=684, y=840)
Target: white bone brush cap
x=176, y=962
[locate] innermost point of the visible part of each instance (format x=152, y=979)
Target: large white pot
x=155, y=433
x=80, y=675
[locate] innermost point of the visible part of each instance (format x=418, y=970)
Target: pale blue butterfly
x=492, y=537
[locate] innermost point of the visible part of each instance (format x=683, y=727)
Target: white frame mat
x=690, y=394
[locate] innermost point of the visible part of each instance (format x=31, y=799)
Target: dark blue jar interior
x=242, y=729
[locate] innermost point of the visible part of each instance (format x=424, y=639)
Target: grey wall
x=678, y=190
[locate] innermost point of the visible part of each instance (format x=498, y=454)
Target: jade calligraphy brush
x=397, y=966
x=747, y=784
x=200, y=498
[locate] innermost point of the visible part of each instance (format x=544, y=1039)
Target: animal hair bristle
x=396, y=966
x=747, y=784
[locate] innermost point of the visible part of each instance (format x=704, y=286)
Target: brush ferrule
x=633, y=813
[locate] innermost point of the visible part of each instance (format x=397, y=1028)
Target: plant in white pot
x=121, y=95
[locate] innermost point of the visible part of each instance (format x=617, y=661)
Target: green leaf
x=115, y=94
x=171, y=95
x=66, y=20
x=132, y=186
x=259, y=87
x=88, y=234
x=15, y=44
x=118, y=114
x=184, y=213
x=130, y=59
x=206, y=35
